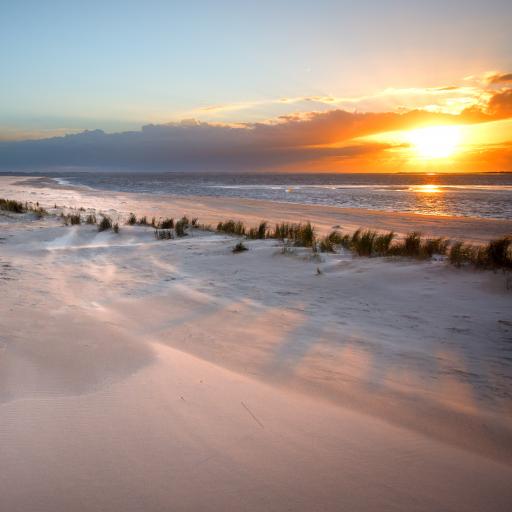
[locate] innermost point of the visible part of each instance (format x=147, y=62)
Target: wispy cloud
x=449, y=99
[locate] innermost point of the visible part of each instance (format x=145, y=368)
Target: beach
x=143, y=374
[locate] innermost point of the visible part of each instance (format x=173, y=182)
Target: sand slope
x=174, y=375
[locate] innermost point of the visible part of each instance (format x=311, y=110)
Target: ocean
x=468, y=195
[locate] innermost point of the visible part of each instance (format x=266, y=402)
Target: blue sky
x=71, y=65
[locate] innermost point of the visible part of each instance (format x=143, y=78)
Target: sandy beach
x=156, y=375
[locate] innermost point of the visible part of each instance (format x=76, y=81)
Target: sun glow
x=435, y=141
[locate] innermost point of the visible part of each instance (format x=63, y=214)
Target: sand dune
x=138, y=374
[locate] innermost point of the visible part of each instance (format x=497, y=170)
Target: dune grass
x=105, y=223
x=301, y=235
x=181, y=226
x=39, y=212
x=10, y=205
x=411, y=245
x=74, y=219
x=239, y=247
x=458, y=254
x=364, y=246
x=371, y=243
x=414, y=246
x=167, y=223
x=13, y=206
x=496, y=254
x=382, y=243
x=332, y=241
x=231, y=227
x=364, y=243
x=259, y=232
x=433, y=246
x=71, y=219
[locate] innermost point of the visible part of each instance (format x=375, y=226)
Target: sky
x=262, y=85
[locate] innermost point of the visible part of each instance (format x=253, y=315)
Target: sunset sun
x=435, y=141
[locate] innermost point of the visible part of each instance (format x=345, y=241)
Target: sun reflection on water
x=426, y=189
x=430, y=199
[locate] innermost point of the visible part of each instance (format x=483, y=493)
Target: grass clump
x=39, y=212
x=365, y=244
x=143, y=221
x=301, y=235
x=368, y=242
x=132, y=220
x=181, y=226
x=282, y=231
x=10, y=205
x=326, y=245
x=330, y=242
x=354, y=239
x=433, y=246
x=166, y=223
x=115, y=228
x=258, y=233
x=74, y=219
x=411, y=245
x=239, y=247
x=498, y=253
x=382, y=243
x=460, y=254
x=231, y=227
x=304, y=235
x=493, y=256
x=455, y=256
x=90, y=219
x=105, y=223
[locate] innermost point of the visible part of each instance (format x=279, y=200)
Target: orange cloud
x=499, y=78
x=500, y=105
x=329, y=140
